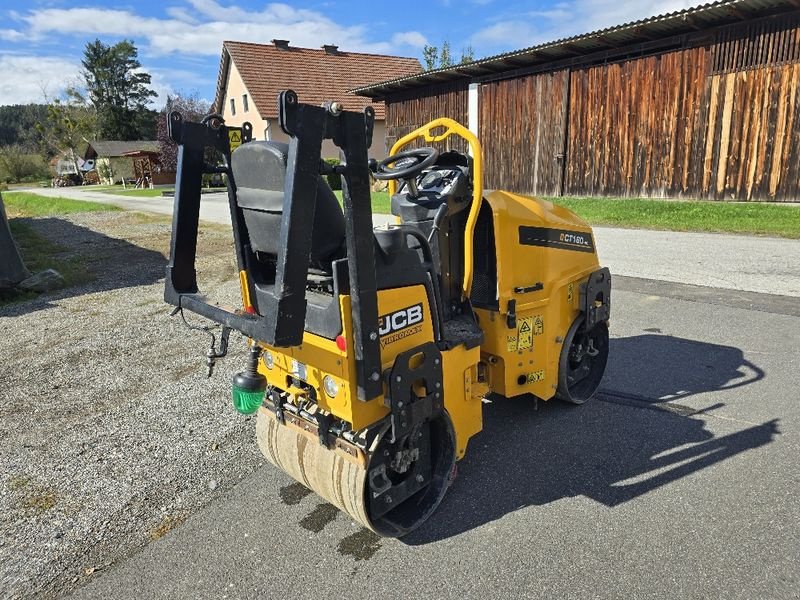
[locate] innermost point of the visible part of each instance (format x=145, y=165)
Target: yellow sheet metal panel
x=538, y=242
x=463, y=393
x=405, y=323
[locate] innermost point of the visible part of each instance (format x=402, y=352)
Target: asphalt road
x=679, y=481
x=734, y=262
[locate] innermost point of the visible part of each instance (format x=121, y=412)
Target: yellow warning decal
x=536, y=377
x=511, y=343
x=525, y=333
x=570, y=289
x=234, y=138
x=538, y=325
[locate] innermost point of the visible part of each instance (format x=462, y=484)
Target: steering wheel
x=413, y=163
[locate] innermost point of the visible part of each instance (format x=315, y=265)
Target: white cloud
x=11, y=35
x=409, y=38
x=194, y=31
x=203, y=30
x=567, y=19
x=34, y=77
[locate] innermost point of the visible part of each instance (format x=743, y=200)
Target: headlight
x=269, y=361
x=331, y=387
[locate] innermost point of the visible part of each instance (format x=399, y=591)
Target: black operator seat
x=259, y=169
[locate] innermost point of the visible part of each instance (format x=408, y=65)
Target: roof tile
x=315, y=75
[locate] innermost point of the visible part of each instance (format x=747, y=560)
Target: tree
x=430, y=54
x=119, y=90
x=18, y=164
x=445, y=59
x=69, y=125
x=192, y=108
x=18, y=124
x=441, y=58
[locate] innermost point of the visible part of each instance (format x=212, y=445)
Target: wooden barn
x=701, y=103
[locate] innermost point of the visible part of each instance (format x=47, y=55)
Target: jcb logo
x=400, y=319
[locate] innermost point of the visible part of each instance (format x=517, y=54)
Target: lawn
x=380, y=202
x=26, y=204
x=726, y=217
x=38, y=252
x=136, y=193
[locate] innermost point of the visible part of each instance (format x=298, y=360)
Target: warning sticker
x=511, y=343
x=525, y=333
x=234, y=138
x=538, y=325
x=536, y=377
x=570, y=289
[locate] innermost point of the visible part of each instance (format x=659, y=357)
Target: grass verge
x=26, y=204
x=140, y=193
x=721, y=217
x=381, y=204
x=38, y=252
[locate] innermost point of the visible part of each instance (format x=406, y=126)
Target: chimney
x=282, y=44
x=330, y=49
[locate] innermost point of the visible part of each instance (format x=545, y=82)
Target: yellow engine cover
x=544, y=253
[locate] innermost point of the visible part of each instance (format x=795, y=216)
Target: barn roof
x=645, y=31
x=315, y=74
x=115, y=148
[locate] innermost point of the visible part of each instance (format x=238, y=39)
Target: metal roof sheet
x=696, y=18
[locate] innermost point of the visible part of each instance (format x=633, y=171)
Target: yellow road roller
x=372, y=349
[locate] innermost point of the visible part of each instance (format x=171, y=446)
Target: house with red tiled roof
x=252, y=75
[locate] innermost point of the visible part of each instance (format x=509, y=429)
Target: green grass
x=726, y=217
x=26, y=204
x=140, y=193
x=381, y=204
x=38, y=252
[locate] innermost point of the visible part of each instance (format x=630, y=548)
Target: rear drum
x=582, y=363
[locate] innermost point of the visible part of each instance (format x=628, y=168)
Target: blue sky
x=179, y=41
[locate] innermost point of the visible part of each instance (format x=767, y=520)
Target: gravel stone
x=107, y=421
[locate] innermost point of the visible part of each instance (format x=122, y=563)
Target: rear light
x=341, y=343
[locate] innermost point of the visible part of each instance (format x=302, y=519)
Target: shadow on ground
x=663, y=368
x=608, y=451
x=112, y=263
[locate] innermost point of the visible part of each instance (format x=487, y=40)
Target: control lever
x=438, y=219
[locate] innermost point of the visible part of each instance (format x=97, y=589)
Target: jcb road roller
x=371, y=349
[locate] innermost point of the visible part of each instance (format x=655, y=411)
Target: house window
x=245, y=105
x=233, y=106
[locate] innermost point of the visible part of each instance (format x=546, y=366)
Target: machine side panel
x=544, y=254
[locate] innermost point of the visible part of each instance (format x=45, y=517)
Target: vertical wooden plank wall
x=636, y=127
x=406, y=112
x=719, y=122
x=521, y=128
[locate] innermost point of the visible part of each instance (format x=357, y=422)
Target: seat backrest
x=259, y=169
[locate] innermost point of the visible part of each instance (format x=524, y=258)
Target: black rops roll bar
x=280, y=315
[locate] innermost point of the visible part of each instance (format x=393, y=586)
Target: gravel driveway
x=110, y=433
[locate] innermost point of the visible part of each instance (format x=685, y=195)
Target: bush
x=334, y=179
x=214, y=180
x=17, y=165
